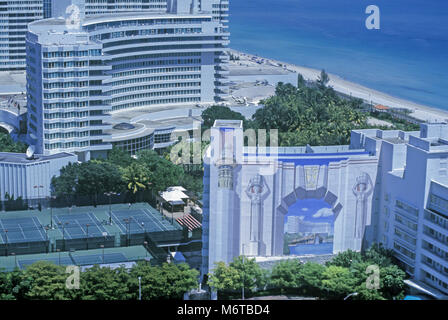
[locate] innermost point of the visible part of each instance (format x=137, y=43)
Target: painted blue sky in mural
x=313, y=210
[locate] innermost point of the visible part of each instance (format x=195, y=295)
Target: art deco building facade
x=386, y=187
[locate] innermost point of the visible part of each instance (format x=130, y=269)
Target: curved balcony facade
x=78, y=77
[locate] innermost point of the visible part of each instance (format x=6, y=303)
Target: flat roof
x=12, y=82
x=228, y=124
x=396, y=140
x=139, y=15
x=21, y=157
x=152, y=120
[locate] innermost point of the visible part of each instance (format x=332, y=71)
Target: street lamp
x=63, y=225
x=87, y=234
x=6, y=243
x=143, y=227
x=109, y=194
x=50, y=199
x=46, y=237
x=38, y=193
x=127, y=221
x=354, y=294
x=59, y=251
x=145, y=244
x=244, y=278
x=15, y=259
x=139, y=288
x=102, y=247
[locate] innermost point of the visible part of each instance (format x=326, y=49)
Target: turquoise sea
x=406, y=58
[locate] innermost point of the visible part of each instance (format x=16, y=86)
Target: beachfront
x=374, y=97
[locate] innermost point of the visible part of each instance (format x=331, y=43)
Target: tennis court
x=77, y=226
x=98, y=259
x=141, y=221
x=18, y=230
x=63, y=261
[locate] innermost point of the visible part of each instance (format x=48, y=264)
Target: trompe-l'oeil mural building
x=265, y=202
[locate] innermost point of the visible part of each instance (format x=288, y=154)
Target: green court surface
x=85, y=228
x=78, y=258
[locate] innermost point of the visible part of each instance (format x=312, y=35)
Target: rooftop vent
x=124, y=126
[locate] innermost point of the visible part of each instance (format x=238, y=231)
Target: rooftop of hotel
x=140, y=15
x=12, y=82
x=140, y=122
x=56, y=31
x=304, y=150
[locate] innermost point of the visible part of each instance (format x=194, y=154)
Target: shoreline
x=421, y=112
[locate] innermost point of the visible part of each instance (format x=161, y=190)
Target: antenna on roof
x=30, y=152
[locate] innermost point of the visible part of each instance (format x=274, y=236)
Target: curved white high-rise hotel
x=76, y=75
x=14, y=18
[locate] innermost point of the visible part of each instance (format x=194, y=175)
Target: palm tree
x=323, y=79
x=136, y=177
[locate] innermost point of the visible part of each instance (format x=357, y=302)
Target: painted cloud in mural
x=323, y=213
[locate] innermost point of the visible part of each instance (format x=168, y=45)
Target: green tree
x=163, y=173
x=392, y=282
x=242, y=271
x=136, y=177
x=285, y=89
x=11, y=286
x=219, y=113
x=99, y=283
x=345, y=259
x=338, y=282
x=311, y=276
x=7, y=144
x=367, y=294
x=300, y=81
x=323, y=79
x=46, y=282
x=119, y=157
x=286, y=275
x=307, y=115
x=379, y=255
x=252, y=276
x=224, y=277
x=169, y=281
x=88, y=179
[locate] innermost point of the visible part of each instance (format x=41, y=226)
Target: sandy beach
x=421, y=112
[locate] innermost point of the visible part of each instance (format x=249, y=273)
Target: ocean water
x=406, y=58
x=314, y=249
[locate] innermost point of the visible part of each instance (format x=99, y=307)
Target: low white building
x=30, y=179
